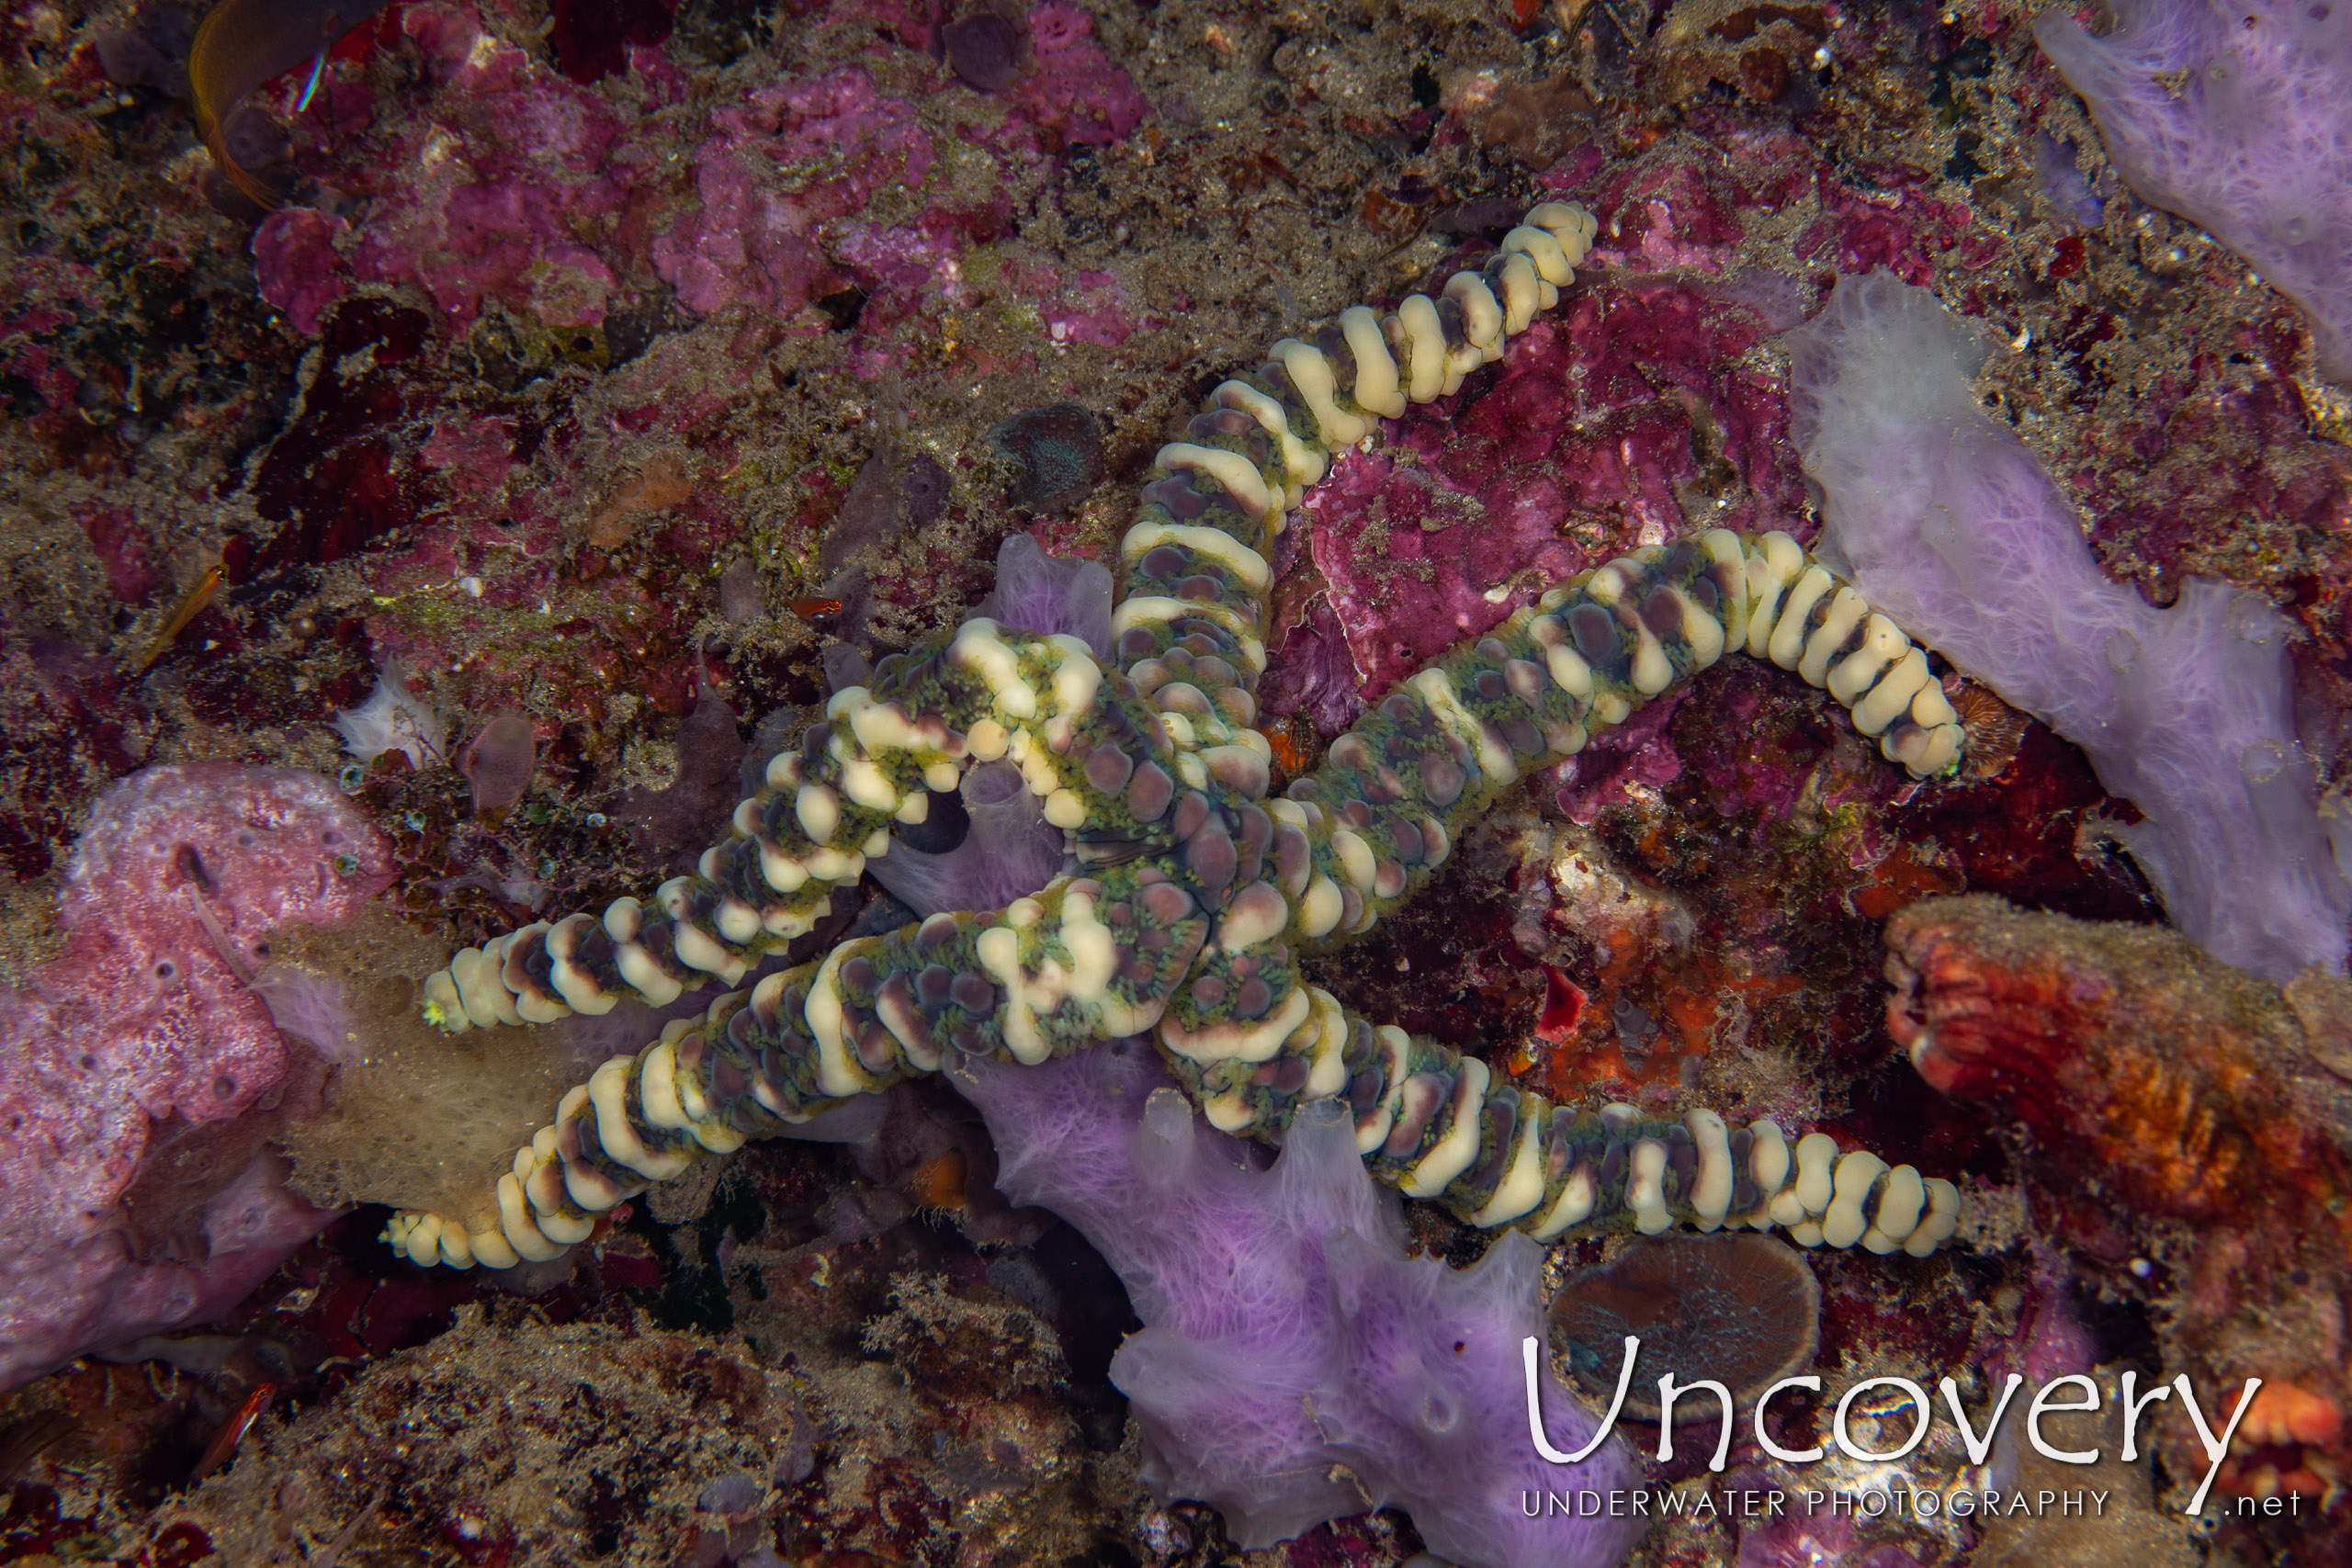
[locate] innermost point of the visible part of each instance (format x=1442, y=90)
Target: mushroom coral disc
x=242, y=44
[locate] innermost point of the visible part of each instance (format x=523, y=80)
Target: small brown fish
x=809, y=609
x=244, y=44
x=191, y=605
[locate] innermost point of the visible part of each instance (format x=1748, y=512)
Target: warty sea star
x=1191, y=896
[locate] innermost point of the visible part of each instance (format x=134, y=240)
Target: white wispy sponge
x=392, y=721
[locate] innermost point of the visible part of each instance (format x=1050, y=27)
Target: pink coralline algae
x=1072, y=89
x=1677, y=211
x=482, y=200
x=796, y=189
x=475, y=453
x=1632, y=417
x=2235, y=117
x=799, y=155
x=1459, y=521
x=138, y=1076
x=296, y=265
x=1637, y=415
x=509, y=185
x=1095, y=309
x=494, y=215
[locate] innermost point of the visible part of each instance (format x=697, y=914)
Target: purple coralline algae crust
x=1945, y=519
x=492, y=214
x=752, y=238
x=523, y=188
x=1310, y=671
x=1073, y=88
x=1636, y=754
x=133, y=1065
x=2239, y=117
x=1296, y=1365
x=295, y=264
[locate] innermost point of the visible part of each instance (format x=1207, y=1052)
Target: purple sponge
x=139, y=1077
x=1295, y=1365
x=1943, y=519
x=1045, y=595
x=2239, y=117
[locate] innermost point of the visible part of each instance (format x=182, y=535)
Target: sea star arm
x=1371, y=827
x=1430, y=1121
x=1099, y=759
x=1188, y=629
x=1434, y=1124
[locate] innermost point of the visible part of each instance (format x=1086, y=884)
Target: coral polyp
x=1736, y=1308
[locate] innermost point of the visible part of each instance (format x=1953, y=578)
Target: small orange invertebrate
x=1296, y=743
x=938, y=1182
x=660, y=483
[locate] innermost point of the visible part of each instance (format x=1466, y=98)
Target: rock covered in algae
x=2188, y=1131
x=140, y=1075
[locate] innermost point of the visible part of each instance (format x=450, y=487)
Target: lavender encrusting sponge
x=1006, y=848
x=1941, y=517
x=2238, y=118
x=1295, y=1365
